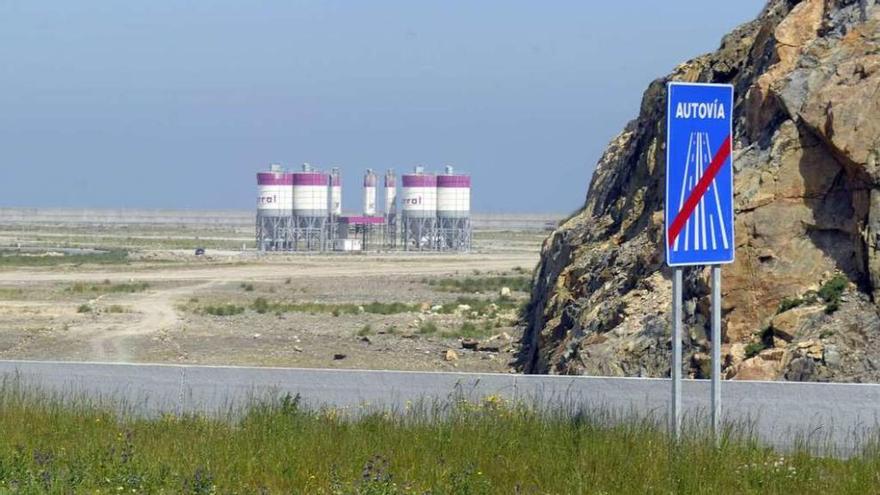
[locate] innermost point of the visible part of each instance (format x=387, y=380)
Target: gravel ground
x=42, y=316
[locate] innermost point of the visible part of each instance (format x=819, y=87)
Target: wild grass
x=468, y=330
x=224, y=310
x=112, y=257
x=11, y=293
x=480, y=306
x=261, y=305
x=789, y=303
x=107, y=287
x=831, y=292
x=428, y=327
x=471, y=448
x=481, y=284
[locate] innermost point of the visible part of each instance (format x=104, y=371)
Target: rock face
x=807, y=198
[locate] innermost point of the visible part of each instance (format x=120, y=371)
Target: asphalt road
x=828, y=416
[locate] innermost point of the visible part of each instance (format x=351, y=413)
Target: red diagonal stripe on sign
x=698, y=192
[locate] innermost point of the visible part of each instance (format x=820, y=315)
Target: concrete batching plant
x=302, y=211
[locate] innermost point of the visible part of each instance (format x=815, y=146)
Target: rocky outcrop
x=800, y=302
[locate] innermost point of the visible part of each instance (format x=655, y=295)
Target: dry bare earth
x=39, y=316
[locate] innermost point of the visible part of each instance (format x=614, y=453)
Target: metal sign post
x=716, y=350
x=698, y=210
x=675, y=418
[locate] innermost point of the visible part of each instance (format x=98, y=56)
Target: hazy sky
x=172, y=104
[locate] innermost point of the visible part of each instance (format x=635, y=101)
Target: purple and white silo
x=310, y=193
x=453, y=210
x=275, y=192
x=419, y=194
x=335, y=192
x=390, y=209
x=369, y=193
x=390, y=193
x=310, y=209
x=453, y=195
x=419, y=210
x=274, y=209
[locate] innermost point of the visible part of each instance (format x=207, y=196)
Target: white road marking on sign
x=683, y=184
x=702, y=204
x=718, y=206
x=696, y=214
x=698, y=157
x=688, y=223
x=712, y=227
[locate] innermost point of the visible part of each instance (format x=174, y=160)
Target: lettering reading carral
x=692, y=110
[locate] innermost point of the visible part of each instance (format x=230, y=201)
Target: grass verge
x=489, y=447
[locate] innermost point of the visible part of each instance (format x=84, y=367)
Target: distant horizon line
x=238, y=210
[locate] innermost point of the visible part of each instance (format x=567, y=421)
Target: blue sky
x=169, y=104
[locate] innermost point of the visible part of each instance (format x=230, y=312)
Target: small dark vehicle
x=200, y=251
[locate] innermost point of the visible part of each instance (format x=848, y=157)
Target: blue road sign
x=699, y=174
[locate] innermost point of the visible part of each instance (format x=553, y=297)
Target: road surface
x=832, y=418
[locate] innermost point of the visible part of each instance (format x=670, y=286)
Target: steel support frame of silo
x=367, y=233
x=332, y=232
x=454, y=234
x=309, y=233
x=273, y=233
x=419, y=233
x=389, y=231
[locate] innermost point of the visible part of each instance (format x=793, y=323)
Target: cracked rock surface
x=801, y=300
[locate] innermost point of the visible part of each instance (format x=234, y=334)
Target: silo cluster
x=302, y=211
x=436, y=211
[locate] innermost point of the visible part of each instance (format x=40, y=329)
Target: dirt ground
x=158, y=305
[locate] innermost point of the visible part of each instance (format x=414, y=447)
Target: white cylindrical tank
x=335, y=192
x=390, y=193
x=275, y=192
x=453, y=195
x=310, y=193
x=369, y=193
x=419, y=194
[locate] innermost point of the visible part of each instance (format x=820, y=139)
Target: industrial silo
x=335, y=204
x=390, y=209
x=369, y=193
x=335, y=192
x=453, y=211
x=310, y=209
x=274, y=209
x=419, y=208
